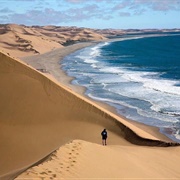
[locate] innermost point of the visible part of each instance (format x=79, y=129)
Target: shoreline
x=57, y=114
x=51, y=128
x=49, y=63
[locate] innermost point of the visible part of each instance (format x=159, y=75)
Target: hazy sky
x=119, y=14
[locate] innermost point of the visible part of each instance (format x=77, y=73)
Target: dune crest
x=37, y=116
x=84, y=160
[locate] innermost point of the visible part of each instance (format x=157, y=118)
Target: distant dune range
x=38, y=115
x=20, y=40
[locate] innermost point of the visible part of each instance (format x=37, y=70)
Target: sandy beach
x=50, y=64
x=49, y=125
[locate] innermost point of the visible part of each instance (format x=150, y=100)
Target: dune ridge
x=37, y=116
x=85, y=160
x=21, y=40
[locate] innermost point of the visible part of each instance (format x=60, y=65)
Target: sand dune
x=83, y=160
x=37, y=116
x=21, y=40
x=43, y=119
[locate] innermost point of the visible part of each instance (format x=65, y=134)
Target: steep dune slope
x=37, y=116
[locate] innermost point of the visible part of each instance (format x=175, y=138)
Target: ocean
x=138, y=75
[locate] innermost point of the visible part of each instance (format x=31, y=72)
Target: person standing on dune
x=104, y=137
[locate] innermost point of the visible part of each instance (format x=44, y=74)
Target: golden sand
x=40, y=116
x=20, y=40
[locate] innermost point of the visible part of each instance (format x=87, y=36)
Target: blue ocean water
x=137, y=75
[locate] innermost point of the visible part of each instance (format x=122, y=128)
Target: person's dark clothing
x=104, y=134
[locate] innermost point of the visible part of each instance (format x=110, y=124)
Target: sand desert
x=50, y=130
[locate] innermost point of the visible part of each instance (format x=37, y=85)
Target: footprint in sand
x=70, y=157
x=61, y=165
x=54, y=175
